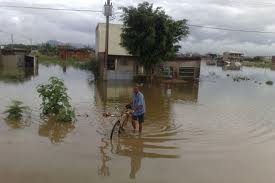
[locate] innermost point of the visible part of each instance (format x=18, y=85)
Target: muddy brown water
x=212, y=132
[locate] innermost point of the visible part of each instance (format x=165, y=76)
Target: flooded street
x=215, y=131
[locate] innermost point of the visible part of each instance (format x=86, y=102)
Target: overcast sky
x=79, y=27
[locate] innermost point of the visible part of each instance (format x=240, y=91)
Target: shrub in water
x=240, y=78
x=269, y=82
x=15, y=111
x=55, y=100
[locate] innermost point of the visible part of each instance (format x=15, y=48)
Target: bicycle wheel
x=115, y=130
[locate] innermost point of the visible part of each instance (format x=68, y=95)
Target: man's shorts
x=139, y=118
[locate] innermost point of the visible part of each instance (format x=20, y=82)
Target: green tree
x=47, y=49
x=150, y=34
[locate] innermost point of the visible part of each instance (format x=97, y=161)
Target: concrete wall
x=114, y=40
x=124, y=69
x=12, y=61
x=177, y=64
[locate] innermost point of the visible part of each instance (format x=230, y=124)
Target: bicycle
x=122, y=119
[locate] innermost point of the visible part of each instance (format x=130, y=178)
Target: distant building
x=13, y=58
x=233, y=57
x=66, y=52
x=273, y=59
x=123, y=66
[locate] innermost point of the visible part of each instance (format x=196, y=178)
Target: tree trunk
x=149, y=73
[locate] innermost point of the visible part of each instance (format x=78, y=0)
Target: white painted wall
x=114, y=40
x=122, y=71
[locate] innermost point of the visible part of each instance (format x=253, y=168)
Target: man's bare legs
x=134, y=124
x=140, y=127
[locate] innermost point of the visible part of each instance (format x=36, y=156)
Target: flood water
x=212, y=132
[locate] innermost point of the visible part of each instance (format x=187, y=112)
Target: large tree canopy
x=150, y=34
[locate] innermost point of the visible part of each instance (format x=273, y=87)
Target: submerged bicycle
x=122, y=120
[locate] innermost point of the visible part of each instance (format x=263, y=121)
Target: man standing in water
x=139, y=109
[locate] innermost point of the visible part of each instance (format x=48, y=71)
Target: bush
x=269, y=82
x=95, y=68
x=55, y=100
x=240, y=78
x=15, y=111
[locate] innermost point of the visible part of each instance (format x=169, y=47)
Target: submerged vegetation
x=91, y=65
x=257, y=64
x=55, y=60
x=55, y=100
x=16, y=110
x=269, y=82
x=245, y=78
x=240, y=78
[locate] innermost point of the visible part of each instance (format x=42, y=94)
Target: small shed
x=13, y=58
x=180, y=68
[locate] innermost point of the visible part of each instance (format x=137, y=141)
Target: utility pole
x=11, y=41
x=108, y=8
x=31, y=43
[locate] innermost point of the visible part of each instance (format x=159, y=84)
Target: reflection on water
x=191, y=132
x=183, y=93
x=17, y=75
x=158, y=127
x=104, y=170
x=55, y=131
x=64, y=68
x=20, y=124
x=115, y=92
x=135, y=148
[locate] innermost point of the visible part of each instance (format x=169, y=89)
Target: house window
x=167, y=72
x=111, y=65
x=124, y=62
x=186, y=71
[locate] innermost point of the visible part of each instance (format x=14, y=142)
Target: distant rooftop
x=235, y=52
x=14, y=50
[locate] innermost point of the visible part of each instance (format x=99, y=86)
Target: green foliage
x=83, y=65
x=269, y=82
x=257, y=64
x=240, y=78
x=95, y=68
x=15, y=110
x=151, y=34
x=22, y=46
x=55, y=100
x=47, y=49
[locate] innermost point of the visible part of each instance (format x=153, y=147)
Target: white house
x=123, y=66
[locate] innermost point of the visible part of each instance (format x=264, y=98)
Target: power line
x=55, y=9
x=98, y=11
x=230, y=29
x=253, y=3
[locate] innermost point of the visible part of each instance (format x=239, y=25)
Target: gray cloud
x=80, y=26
